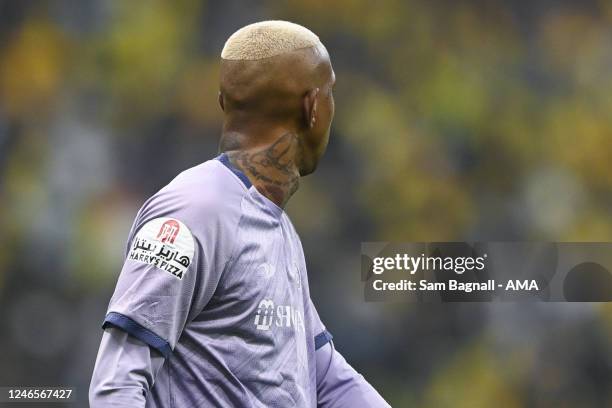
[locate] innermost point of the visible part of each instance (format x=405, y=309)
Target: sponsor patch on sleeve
x=165, y=243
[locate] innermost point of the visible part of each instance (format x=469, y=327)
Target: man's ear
x=221, y=101
x=310, y=108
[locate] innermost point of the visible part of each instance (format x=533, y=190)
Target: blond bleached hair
x=267, y=39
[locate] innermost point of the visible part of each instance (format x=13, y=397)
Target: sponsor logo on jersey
x=165, y=243
x=168, y=231
x=270, y=315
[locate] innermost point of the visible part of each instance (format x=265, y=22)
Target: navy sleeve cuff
x=322, y=339
x=141, y=333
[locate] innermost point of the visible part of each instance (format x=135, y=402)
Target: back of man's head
x=267, y=39
x=276, y=78
x=267, y=67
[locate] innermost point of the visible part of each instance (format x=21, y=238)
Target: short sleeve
x=158, y=282
x=320, y=333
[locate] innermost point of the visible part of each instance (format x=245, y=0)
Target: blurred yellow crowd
x=455, y=120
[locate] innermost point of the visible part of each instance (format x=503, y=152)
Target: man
x=212, y=307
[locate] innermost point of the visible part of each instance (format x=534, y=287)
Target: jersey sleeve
x=177, y=249
x=320, y=333
x=158, y=284
x=340, y=386
x=124, y=372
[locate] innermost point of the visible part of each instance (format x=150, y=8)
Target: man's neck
x=273, y=168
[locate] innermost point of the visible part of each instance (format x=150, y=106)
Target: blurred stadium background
x=456, y=120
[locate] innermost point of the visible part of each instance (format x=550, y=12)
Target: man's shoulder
x=208, y=183
x=200, y=196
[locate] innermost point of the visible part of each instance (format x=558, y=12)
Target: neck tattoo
x=273, y=169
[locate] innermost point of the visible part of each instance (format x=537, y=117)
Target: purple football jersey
x=215, y=279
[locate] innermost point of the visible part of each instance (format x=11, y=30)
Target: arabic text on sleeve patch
x=165, y=243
